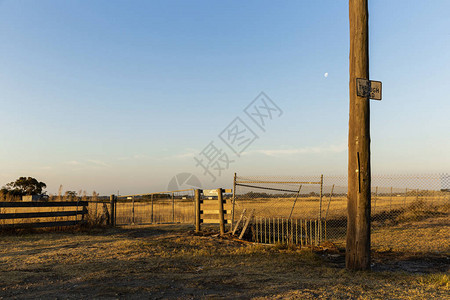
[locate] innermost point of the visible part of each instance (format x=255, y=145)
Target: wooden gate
x=18, y=215
x=213, y=207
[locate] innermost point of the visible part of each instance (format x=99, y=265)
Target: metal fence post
x=132, y=210
x=233, y=202
x=173, y=209
x=404, y=199
x=152, y=208
x=390, y=201
x=221, y=215
x=329, y=202
x=375, y=200
x=115, y=209
x=320, y=200
x=197, y=209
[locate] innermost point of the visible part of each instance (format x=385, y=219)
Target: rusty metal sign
x=368, y=88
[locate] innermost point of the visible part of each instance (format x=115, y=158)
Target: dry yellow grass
x=310, y=207
x=168, y=262
x=184, y=212
x=305, y=208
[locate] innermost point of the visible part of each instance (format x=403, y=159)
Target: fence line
x=26, y=219
x=155, y=208
x=303, y=232
x=399, y=204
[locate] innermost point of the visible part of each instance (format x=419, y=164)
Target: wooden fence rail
x=77, y=208
x=211, y=211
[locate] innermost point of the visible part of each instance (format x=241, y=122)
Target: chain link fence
x=409, y=212
x=284, y=209
x=156, y=208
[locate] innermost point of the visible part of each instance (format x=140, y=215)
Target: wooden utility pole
x=358, y=206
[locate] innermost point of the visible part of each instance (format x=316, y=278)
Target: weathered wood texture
x=42, y=214
x=197, y=209
x=43, y=204
x=221, y=211
x=247, y=222
x=211, y=202
x=112, y=217
x=80, y=209
x=238, y=222
x=214, y=221
x=213, y=211
x=358, y=224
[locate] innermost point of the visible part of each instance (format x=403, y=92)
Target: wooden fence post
x=221, y=215
x=112, y=216
x=197, y=209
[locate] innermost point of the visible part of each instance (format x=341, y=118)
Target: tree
x=70, y=195
x=26, y=186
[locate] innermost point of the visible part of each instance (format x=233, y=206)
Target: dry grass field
x=183, y=210
x=305, y=208
x=170, y=262
x=163, y=212
x=309, y=207
x=410, y=259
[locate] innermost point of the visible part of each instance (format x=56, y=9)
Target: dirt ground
x=171, y=262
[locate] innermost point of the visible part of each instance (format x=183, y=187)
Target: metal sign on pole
x=368, y=88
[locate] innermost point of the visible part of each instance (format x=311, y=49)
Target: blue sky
x=121, y=95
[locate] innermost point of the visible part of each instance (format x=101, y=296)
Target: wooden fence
x=19, y=215
x=212, y=211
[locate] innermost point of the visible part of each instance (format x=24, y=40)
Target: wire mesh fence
x=288, y=231
x=409, y=212
x=156, y=208
x=99, y=211
x=286, y=209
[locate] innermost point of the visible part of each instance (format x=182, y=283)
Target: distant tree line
x=21, y=187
